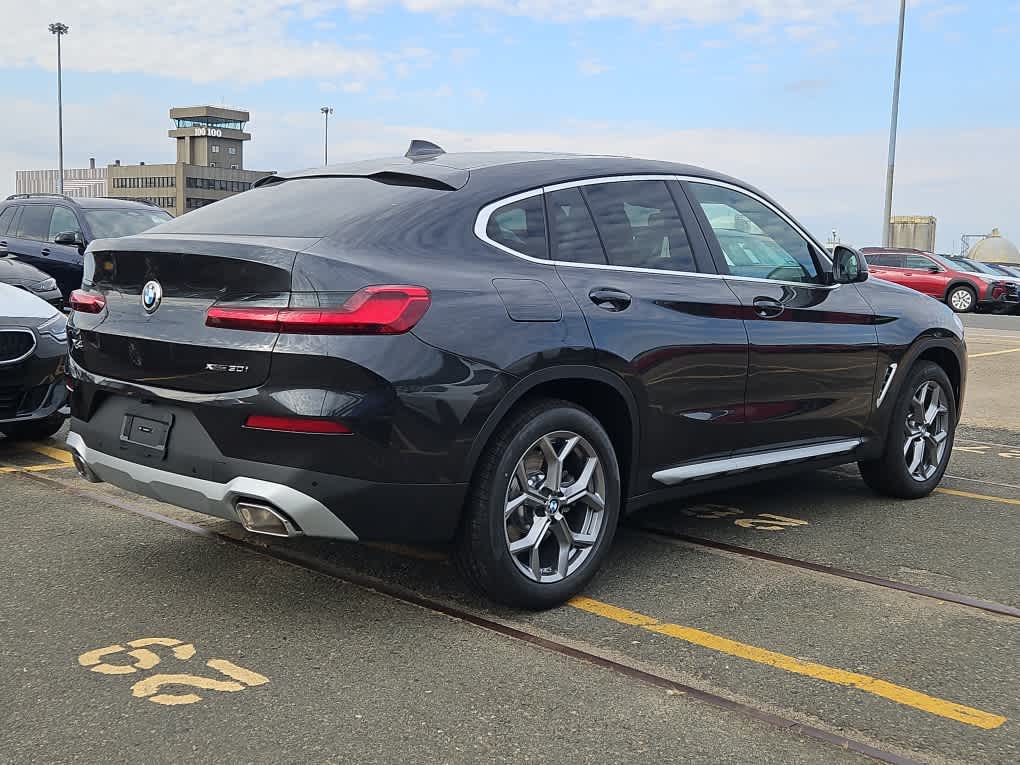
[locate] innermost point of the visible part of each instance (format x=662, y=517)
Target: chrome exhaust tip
x=83, y=469
x=262, y=518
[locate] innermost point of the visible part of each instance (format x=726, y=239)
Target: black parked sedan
x=33, y=346
x=506, y=350
x=17, y=273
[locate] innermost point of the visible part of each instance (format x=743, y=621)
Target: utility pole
x=60, y=30
x=886, y=224
x=326, y=111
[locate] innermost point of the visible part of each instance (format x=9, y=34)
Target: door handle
x=609, y=299
x=767, y=308
x=45, y=251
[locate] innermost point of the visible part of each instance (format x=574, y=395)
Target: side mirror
x=70, y=238
x=848, y=265
x=934, y=270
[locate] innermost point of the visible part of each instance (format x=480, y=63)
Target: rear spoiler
x=391, y=177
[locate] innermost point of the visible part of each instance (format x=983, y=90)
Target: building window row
x=169, y=202
x=216, y=184
x=145, y=182
x=193, y=203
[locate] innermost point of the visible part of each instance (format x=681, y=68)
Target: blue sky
x=791, y=94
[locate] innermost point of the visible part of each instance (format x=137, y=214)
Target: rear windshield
x=111, y=224
x=304, y=207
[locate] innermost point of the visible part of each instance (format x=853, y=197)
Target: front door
x=65, y=261
x=658, y=317
x=28, y=235
x=813, y=346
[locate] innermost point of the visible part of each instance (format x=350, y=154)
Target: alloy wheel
x=961, y=300
x=554, y=512
x=926, y=431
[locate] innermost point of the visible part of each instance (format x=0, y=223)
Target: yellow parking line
x=61, y=455
x=992, y=353
x=899, y=694
x=36, y=468
x=971, y=495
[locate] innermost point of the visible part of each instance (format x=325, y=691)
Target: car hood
x=23, y=308
x=14, y=271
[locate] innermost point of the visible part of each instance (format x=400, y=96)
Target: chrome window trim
x=681, y=473
x=35, y=344
x=482, y=223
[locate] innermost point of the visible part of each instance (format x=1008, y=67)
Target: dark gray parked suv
x=51, y=231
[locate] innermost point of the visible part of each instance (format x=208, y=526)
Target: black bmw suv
x=505, y=350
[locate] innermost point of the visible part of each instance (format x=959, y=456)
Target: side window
x=755, y=240
x=63, y=220
x=571, y=230
x=6, y=216
x=639, y=225
x=885, y=259
x=520, y=226
x=35, y=222
x=918, y=261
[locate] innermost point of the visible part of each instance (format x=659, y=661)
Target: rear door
x=28, y=234
x=658, y=316
x=813, y=347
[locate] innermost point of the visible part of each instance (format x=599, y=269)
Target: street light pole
x=887, y=221
x=326, y=111
x=60, y=30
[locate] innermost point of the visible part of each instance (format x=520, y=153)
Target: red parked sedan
x=941, y=278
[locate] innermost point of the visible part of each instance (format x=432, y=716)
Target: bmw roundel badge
x=152, y=296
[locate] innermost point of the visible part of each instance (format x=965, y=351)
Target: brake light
x=378, y=310
x=87, y=302
x=296, y=425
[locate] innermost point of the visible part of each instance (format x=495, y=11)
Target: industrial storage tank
x=995, y=248
x=913, y=232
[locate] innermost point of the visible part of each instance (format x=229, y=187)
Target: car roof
x=87, y=203
x=514, y=170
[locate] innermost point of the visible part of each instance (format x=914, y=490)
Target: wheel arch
x=595, y=389
x=962, y=283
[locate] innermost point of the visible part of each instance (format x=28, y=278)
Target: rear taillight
x=379, y=310
x=296, y=425
x=87, y=302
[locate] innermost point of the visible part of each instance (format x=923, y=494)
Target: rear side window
x=571, y=230
x=639, y=225
x=520, y=226
x=6, y=216
x=306, y=207
x=35, y=222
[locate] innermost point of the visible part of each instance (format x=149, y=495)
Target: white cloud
x=591, y=67
x=962, y=177
x=353, y=87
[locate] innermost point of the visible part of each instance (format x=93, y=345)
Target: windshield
x=111, y=224
x=956, y=265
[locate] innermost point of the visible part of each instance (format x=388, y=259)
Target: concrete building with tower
x=209, y=146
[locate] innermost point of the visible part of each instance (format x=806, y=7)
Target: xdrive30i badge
x=226, y=368
x=152, y=296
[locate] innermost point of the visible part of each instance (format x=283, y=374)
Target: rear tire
x=38, y=430
x=571, y=510
x=961, y=299
x=919, y=441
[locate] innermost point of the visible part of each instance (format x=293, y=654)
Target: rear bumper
x=196, y=475
x=309, y=515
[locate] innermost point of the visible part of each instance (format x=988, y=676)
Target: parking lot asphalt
x=264, y=661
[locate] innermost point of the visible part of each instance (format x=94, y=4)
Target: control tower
x=210, y=136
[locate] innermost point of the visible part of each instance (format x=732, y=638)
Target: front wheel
x=920, y=438
x=961, y=299
x=543, y=507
